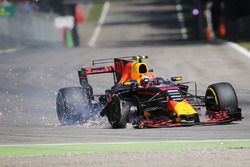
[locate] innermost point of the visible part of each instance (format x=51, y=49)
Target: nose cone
x=184, y=110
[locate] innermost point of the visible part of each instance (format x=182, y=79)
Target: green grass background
x=122, y=147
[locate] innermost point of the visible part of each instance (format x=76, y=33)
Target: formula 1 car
x=146, y=101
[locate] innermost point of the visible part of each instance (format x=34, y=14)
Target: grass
x=31, y=150
x=245, y=44
x=95, y=12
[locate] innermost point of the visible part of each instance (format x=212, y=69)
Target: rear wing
x=117, y=69
x=111, y=60
x=84, y=72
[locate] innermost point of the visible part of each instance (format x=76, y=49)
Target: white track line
x=11, y=50
x=239, y=48
x=101, y=21
x=121, y=143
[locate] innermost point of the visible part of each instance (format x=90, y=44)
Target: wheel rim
x=212, y=103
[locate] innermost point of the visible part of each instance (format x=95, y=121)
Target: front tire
x=221, y=97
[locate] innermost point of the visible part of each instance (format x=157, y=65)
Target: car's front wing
x=218, y=118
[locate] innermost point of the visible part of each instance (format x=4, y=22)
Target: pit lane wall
x=32, y=29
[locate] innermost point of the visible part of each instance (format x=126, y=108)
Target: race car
x=144, y=100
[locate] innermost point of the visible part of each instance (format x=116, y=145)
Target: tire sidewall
x=224, y=95
x=69, y=110
x=118, y=112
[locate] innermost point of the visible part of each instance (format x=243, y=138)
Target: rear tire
x=118, y=112
x=72, y=105
x=220, y=97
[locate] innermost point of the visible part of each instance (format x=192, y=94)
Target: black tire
x=136, y=110
x=196, y=118
x=72, y=105
x=118, y=112
x=220, y=97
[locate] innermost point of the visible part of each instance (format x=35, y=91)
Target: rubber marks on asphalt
x=101, y=21
x=181, y=20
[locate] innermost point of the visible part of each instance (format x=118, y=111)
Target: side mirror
x=127, y=83
x=176, y=78
x=150, y=70
x=133, y=84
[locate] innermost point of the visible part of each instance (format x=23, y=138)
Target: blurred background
x=46, y=23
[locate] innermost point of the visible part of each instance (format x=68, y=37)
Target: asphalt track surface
x=31, y=78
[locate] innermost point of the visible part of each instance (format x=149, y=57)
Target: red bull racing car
x=144, y=100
